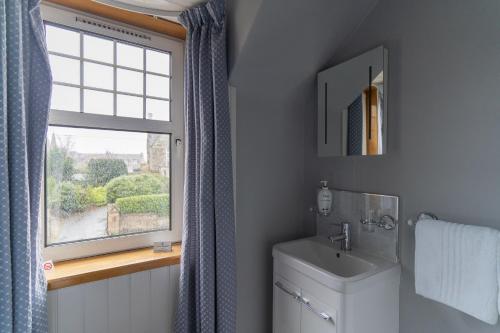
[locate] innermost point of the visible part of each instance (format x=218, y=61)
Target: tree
x=72, y=199
x=101, y=171
x=59, y=165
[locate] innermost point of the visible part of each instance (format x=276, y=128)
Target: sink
x=319, y=288
x=327, y=258
x=342, y=271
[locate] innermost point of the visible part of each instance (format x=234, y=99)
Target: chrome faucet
x=344, y=238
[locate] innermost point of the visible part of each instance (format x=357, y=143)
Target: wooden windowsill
x=78, y=271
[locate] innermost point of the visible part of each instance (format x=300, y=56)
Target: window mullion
x=144, y=82
x=115, y=106
x=97, y=121
x=81, y=74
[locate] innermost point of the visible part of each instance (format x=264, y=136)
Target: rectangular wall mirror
x=352, y=106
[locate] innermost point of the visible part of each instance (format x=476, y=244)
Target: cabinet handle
x=321, y=314
x=287, y=291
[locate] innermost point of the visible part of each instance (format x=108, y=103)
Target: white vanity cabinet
x=287, y=308
x=317, y=289
x=298, y=311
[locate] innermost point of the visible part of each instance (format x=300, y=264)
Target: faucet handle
x=344, y=237
x=346, y=227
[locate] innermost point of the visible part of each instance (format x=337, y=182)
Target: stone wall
x=131, y=223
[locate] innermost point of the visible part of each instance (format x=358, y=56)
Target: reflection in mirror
x=352, y=106
x=362, y=119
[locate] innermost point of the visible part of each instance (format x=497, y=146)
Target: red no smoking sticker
x=48, y=265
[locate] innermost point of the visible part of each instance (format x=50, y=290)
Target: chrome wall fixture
x=386, y=222
x=422, y=216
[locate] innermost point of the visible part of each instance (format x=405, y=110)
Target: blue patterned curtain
x=207, y=300
x=24, y=102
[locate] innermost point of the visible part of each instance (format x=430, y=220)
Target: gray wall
x=274, y=76
x=444, y=125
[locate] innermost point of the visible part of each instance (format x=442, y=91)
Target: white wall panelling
x=142, y=302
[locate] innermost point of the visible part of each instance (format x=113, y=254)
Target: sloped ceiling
x=288, y=39
x=240, y=15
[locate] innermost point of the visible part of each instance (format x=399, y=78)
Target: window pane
x=129, y=81
x=63, y=40
x=157, y=86
x=98, y=49
x=65, y=98
x=97, y=76
x=158, y=62
x=129, y=56
x=105, y=183
x=65, y=69
x=129, y=106
x=157, y=109
x=97, y=102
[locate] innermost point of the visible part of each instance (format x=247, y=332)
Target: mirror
x=352, y=106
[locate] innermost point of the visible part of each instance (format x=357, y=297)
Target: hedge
x=133, y=185
x=144, y=204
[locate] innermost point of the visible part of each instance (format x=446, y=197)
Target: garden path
x=91, y=224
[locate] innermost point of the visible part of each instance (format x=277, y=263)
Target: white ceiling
x=165, y=8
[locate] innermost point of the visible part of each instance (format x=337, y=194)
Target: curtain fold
x=207, y=295
x=25, y=86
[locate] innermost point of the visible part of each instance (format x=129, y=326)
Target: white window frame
x=175, y=127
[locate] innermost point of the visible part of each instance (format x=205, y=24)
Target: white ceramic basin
x=343, y=271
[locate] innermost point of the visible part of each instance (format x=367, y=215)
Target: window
x=100, y=75
x=113, y=171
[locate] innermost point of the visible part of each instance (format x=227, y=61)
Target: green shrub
x=132, y=185
x=144, y=204
x=97, y=196
x=101, y=171
x=72, y=199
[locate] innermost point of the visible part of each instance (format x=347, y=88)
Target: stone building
x=158, y=153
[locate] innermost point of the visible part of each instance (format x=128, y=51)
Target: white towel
x=457, y=265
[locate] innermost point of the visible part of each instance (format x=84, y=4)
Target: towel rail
x=422, y=216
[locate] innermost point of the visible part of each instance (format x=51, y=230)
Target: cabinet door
x=286, y=308
x=316, y=317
